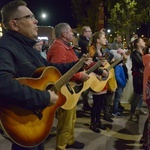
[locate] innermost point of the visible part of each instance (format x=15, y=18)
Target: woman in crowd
x=137, y=73
x=95, y=50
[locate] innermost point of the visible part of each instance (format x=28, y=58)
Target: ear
x=13, y=25
x=63, y=34
x=98, y=40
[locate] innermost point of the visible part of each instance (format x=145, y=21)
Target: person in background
x=112, y=85
x=83, y=43
x=117, y=43
x=121, y=82
x=19, y=59
x=84, y=38
x=61, y=51
x=38, y=47
x=45, y=46
x=131, y=44
x=137, y=73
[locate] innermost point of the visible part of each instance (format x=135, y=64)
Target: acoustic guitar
x=96, y=83
x=29, y=128
x=74, y=91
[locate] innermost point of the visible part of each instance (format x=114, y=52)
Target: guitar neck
x=115, y=63
x=118, y=60
x=97, y=64
x=68, y=75
x=93, y=67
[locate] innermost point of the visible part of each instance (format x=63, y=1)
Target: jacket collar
x=21, y=38
x=66, y=44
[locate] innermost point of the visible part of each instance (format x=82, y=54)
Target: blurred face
x=88, y=33
x=24, y=23
x=135, y=36
x=102, y=40
x=119, y=39
x=38, y=46
x=68, y=34
x=141, y=43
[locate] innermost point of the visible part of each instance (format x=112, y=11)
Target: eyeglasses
x=40, y=44
x=28, y=17
x=88, y=31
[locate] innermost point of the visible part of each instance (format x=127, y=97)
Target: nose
x=35, y=21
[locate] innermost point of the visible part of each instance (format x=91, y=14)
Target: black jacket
x=137, y=72
x=19, y=59
x=137, y=63
x=83, y=43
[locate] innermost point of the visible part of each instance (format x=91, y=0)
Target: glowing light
x=43, y=38
x=108, y=30
x=44, y=15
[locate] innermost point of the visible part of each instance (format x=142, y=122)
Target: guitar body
x=72, y=99
x=95, y=83
x=24, y=127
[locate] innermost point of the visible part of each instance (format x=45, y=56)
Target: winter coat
x=61, y=52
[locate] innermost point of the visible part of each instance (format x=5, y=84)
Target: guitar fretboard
x=93, y=67
x=68, y=75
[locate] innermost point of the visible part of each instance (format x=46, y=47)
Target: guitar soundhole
x=78, y=87
x=50, y=87
x=103, y=78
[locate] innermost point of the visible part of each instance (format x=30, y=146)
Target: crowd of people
x=22, y=54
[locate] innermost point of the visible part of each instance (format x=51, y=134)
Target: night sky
x=57, y=11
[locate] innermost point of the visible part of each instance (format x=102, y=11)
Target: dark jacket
x=19, y=59
x=137, y=63
x=83, y=42
x=137, y=72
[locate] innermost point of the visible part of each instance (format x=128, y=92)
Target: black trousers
x=97, y=107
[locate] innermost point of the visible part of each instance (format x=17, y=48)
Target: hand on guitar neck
x=88, y=61
x=103, y=62
x=84, y=76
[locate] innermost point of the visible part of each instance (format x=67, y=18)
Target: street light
x=44, y=16
x=108, y=30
